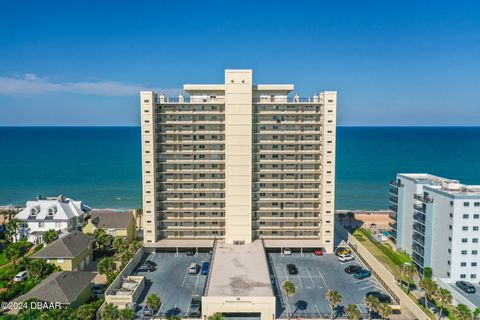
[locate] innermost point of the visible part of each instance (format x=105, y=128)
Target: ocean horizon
x=101, y=165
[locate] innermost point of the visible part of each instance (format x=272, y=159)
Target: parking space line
x=185, y=278
x=300, y=281
x=196, y=282
x=313, y=283
x=321, y=276
x=316, y=307
x=286, y=275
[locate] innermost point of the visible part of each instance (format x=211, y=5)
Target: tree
x=334, y=298
x=407, y=272
x=427, y=272
x=107, y=267
x=127, y=314
x=289, y=288
x=153, y=302
x=12, y=252
x=384, y=310
x=39, y=269
x=352, y=311
x=476, y=314
x=372, y=304
x=86, y=312
x=110, y=312
x=429, y=288
x=461, y=312
x=119, y=243
x=12, y=230
x=216, y=316
x=444, y=299
x=350, y=216
x=341, y=216
x=50, y=235
x=102, y=239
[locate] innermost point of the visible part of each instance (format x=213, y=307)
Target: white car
x=193, y=268
x=345, y=257
x=21, y=276
x=287, y=252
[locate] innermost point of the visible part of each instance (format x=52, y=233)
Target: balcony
x=392, y=215
x=420, y=208
x=419, y=217
x=393, y=225
x=393, y=200
x=282, y=99
x=180, y=100
x=419, y=228
x=393, y=234
x=423, y=198
x=393, y=207
x=393, y=191
x=417, y=259
x=397, y=184
x=419, y=239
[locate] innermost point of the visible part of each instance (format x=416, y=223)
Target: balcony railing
x=166, y=100
x=393, y=216
x=396, y=183
x=419, y=208
x=393, y=207
x=393, y=191
x=393, y=199
x=287, y=99
x=422, y=198
x=393, y=225
x=419, y=217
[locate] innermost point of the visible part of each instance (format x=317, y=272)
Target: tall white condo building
x=238, y=161
x=437, y=221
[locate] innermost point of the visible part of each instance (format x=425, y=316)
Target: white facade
x=43, y=214
x=437, y=222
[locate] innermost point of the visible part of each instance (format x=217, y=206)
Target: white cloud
x=32, y=84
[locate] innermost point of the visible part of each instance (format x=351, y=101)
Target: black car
x=292, y=269
x=353, y=268
x=150, y=263
x=191, y=252
x=382, y=297
x=467, y=287
x=145, y=268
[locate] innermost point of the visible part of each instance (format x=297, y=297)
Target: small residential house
x=67, y=288
x=45, y=213
x=115, y=223
x=72, y=252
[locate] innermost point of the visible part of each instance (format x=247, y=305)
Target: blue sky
x=392, y=62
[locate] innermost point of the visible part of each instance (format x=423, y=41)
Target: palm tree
x=153, y=302
x=12, y=229
x=350, y=216
x=50, y=235
x=107, y=266
x=110, y=312
x=102, y=239
x=444, y=299
x=85, y=312
x=476, y=314
x=127, y=314
x=429, y=288
x=384, y=310
x=352, y=311
x=289, y=288
x=372, y=304
x=407, y=272
x=462, y=312
x=216, y=316
x=119, y=243
x=334, y=299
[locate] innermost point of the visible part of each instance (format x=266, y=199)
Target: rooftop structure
x=69, y=246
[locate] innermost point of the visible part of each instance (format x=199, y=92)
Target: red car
x=318, y=252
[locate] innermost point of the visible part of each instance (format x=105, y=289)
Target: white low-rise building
x=437, y=222
x=46, y=213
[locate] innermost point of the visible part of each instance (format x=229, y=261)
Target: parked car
x=147, y=312
x=193, y=268
x=382, y=297
x=467, y=287
x=195, y=305
x=342, y=250
x=362, y=274
x=98, y=290
x=287, y=252
x=353, y=268
x=205, y=267
x=191, y=252
x=345, y=258
x=318, y=252
x=292, y=269
x=151, y=263
x=145, y=268
x=21, y=276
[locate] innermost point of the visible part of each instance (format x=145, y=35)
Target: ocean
x=102, y=165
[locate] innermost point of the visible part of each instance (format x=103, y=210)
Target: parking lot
x=474, y=298
x=316, y=275
x=172, y=283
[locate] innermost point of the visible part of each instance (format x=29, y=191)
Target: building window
x=465, y=228
x=451, y=203
x=473, y=276
x=477, y=204
x=464, y=252
x=475, y=240
x=450, y=239
x=60, y=260
x=449, y=250
x=473, y=264
x=475, y=228
x=463, y=264
x=466, y=204
x=465, y=216
x=451, y=215
x=476, y=216
x=41, y=224
x=474, y=251
x=463, y=276
x=464, y=240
